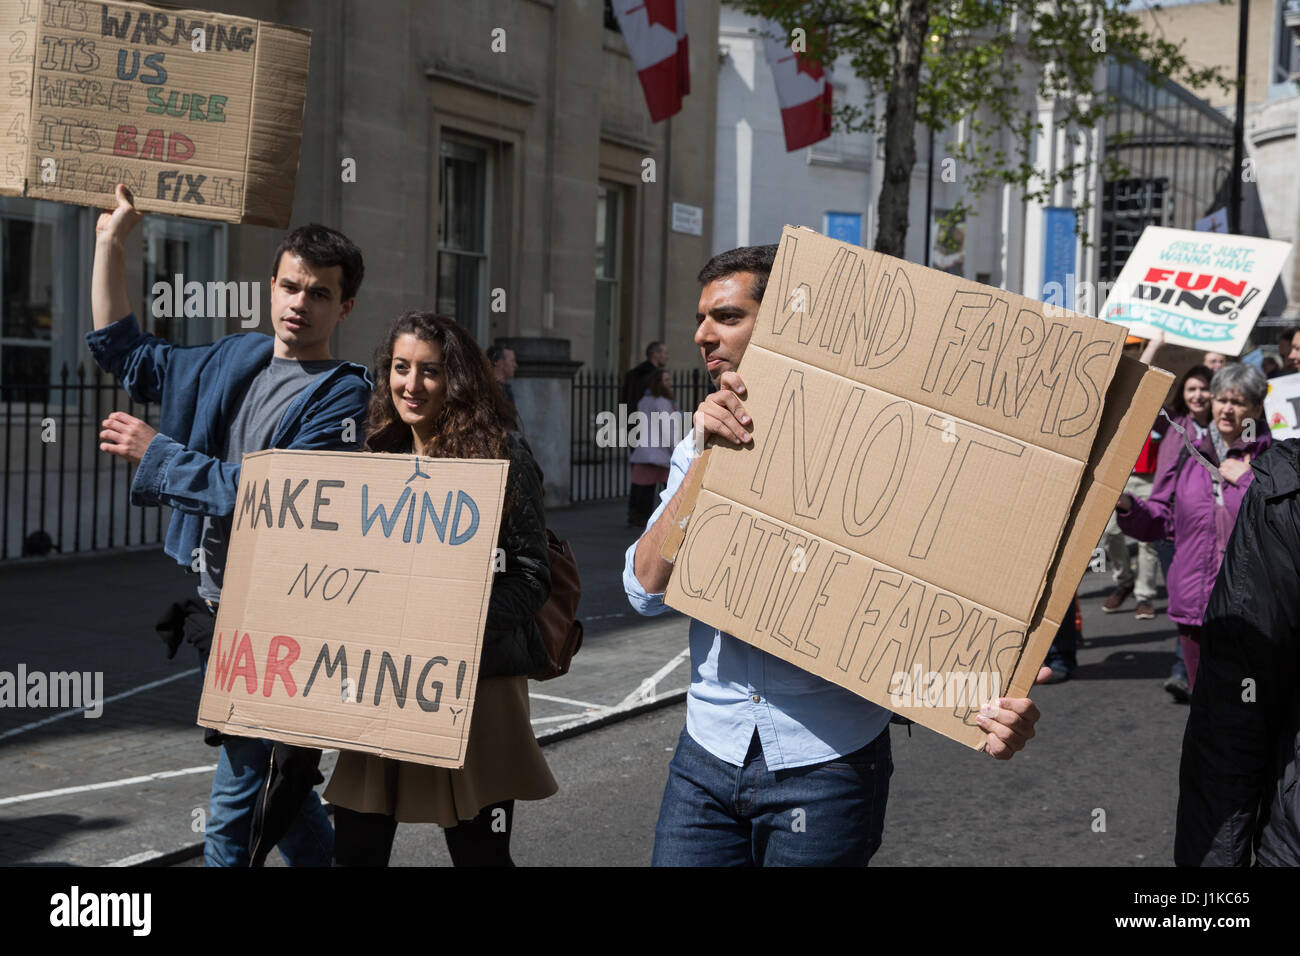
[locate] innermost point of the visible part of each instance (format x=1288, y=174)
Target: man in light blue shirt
x=775, y=766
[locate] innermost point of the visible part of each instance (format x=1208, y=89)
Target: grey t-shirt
x=269, y=396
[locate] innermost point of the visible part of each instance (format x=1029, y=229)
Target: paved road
x=1097, y=787
x=70, y=787
x=133, y=784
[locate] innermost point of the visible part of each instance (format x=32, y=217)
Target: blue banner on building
x=1059, y=245
x=845, y=226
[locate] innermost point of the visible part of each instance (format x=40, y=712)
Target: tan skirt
x=502, y=762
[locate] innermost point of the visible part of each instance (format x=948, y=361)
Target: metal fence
x=598, y=466
x=61, y=493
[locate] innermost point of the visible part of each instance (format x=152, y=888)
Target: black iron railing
x=60, y=492
x=598, y=460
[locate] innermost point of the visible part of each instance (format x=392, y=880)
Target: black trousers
x=366, y=839
x=641, y=503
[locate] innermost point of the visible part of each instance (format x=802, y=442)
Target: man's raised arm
x=650, y=568
x=108, y=299
x=721, y=414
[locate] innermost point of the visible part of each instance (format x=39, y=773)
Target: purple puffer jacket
x=1191, y=523
x=1171, y=443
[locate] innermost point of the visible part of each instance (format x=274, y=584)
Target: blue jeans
x=825, y=814
x=1165, y=551
x=241, y=771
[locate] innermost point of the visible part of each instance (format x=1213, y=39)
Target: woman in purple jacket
x=1196, y=497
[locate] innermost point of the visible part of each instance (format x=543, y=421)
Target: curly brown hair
x=475, y=418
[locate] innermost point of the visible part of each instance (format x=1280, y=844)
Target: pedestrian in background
x=1196, y=498
x=503, y=370
x=634, y=383
x=1290, y=358
x=634, y=389
x=1143, y=584
x=651, y=457
x=1190, y=410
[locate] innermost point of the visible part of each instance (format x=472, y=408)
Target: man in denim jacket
x=242, y=393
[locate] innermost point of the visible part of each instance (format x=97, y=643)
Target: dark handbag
x=557, y=619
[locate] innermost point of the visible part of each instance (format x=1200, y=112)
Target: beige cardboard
x=919, y=444
x=117, y=93
x=405, y=601
x=1132, y=404
x=1282, y=407
x=690, y=493
x=17, y=41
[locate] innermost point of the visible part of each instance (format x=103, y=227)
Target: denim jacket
x=200, y=388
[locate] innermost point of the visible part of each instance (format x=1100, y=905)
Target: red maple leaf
x=662, y=12
x=803, y=63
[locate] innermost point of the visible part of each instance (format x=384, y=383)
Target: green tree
x=943, y=61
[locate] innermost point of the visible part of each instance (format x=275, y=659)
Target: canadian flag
x=803, y=88
x=655, y=32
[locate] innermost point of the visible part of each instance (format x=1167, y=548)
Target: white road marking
x=646, y=691
x=135, y=858
x=559, y=717
x=563, y=700
x=108, y=784
x=107, y=700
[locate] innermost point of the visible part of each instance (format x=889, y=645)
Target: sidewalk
x=133, y=783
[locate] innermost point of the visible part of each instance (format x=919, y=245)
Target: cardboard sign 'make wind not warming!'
x=354, y=602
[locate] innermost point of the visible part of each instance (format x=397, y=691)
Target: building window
x=1128, y=207
x=608, y=253
x=194, y=252
x=38, y=295
x=611, y=21
x=462, y=268
x=1286, y=50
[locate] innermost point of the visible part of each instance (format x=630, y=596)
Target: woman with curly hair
x=435, y=396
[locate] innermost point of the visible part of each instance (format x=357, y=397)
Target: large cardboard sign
x=354, y=602
x=1203, y=290
x=199, y=113
x=924, y=473
x=1282, y=407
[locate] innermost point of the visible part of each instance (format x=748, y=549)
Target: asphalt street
x=1097, y=786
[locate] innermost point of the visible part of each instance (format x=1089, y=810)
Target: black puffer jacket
x=1241, y=749
x=512, y=644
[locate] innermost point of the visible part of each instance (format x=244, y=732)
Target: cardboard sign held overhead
x=1282, y=407
x=924, y=467
x=1203, y=290
x=198, y=113
x=354, y=602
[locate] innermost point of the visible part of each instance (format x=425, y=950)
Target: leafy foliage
x=983, y=63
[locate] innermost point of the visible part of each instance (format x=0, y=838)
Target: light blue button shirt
x=801, y=719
